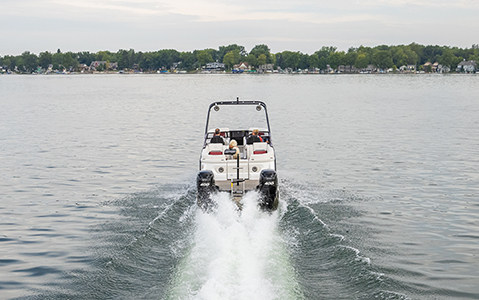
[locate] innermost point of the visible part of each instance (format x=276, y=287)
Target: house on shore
x=467, y=66
x=407, y=69
x=96, y=64
x=267, y=68
x=241, y=67
x=215, y=66
x=347, y=69
x=443, y=69
x=103, y=65
x=427, y=67
x=435, y=67
x=83, y=68
x=369, y=69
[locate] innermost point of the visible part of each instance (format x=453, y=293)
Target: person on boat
x=254, y=137
x=234, y=145
x=217, y=138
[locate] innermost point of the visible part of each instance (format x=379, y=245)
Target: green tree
x=325, y=51
x=146, y=61
x=313, y=61
x=446, y=58
x=262, y=59
x=336, y=58
x=231, y=58
x=251, y=60
x=57, y=60
x=45, y=59
x=323, y=55
x=30, y=61
x=362, y=61
x=188, y=60
x=399, y=57
x=432, y=53
x=69, y=61
x=104, y=56
x=455, y=61
x=9, y=62
x=19, y=64
x=288, y=59
x=235, y=48
x=303, y=63
x=204, y=57
x=475, y=57
x=350, y=57
x=85, y=57
x=418, y=49
x=164, y=59
x=126, y=59
x=382, y=59
x=262, y=49
x=412, y=56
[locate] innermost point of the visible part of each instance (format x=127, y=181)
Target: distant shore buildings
x=467, y=67
x=383, y=59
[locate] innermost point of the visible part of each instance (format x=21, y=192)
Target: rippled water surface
x=379, y=182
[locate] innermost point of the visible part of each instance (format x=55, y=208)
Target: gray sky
x=185, y=25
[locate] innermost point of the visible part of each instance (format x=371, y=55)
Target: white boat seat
x=260, y=148
x=215, y=149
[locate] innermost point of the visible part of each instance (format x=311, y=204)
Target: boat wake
x=236, y=255
x=163, y=246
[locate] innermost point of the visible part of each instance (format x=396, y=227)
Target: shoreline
x=229, y=73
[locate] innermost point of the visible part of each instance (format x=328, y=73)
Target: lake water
x=379, y=183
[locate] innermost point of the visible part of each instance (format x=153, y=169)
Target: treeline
x=382, y=57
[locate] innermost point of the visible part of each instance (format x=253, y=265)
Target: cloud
x=110, y=8
x=424, y=3
x=226, y=10
x=303, y=25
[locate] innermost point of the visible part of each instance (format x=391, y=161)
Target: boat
x=252, y=167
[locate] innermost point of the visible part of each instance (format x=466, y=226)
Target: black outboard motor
x=268, y=189
x=205, y=184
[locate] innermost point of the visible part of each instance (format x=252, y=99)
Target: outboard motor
x=205, y=184
x=268, y=189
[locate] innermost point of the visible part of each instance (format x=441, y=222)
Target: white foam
x=340, y=237
x=359, y=257
x=235, y=255
x=315, y=215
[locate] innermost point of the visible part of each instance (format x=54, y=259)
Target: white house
x=215, y=66
x=467, y=66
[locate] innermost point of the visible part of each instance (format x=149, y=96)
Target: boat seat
x=214, y=149
x=256, y=149
x=260, y=148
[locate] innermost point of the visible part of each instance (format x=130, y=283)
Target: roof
x=467, y=63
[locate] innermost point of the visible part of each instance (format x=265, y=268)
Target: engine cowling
x=268, y=189
x=205, y=185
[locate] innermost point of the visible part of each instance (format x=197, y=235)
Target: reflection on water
x=378, y=176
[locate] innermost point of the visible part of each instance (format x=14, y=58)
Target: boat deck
x=247, y=185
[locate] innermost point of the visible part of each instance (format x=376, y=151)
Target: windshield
x=237, y=117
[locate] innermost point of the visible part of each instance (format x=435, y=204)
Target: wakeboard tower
x=250, y=168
